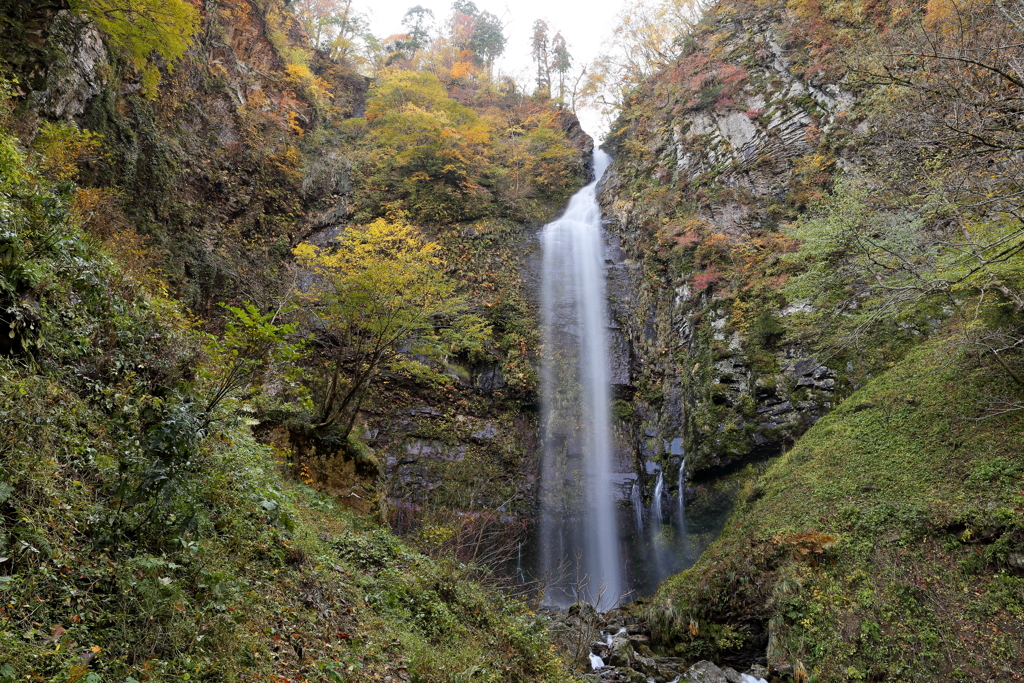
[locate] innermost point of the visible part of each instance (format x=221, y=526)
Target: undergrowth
x=886, y=545
x=146, y=535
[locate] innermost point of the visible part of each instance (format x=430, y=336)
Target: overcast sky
x=584, y=25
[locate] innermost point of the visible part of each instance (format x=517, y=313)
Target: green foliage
x=379, y=290
x=335, y=28
x=876, y=484
x=872, y=271
x=253, y=345
x=140, y=29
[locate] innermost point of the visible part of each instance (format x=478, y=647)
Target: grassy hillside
x=191, y=171
x=144, y=533
x=888, y=544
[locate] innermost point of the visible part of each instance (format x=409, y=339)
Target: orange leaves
x=812, y=546
x=945, y=15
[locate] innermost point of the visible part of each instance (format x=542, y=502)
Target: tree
x=333, y=27
x=480, y=32
x=432, y=151
x=561, y=62
x=645, y=39
x=142, y=29
x=488, y=39
x=417, y=21
x=541, y=54
x=381, y=289
x=254, y=344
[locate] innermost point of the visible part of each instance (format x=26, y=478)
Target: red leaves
x=705, y=279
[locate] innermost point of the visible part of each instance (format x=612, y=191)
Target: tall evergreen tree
x=542, y=56
x=561, y=62
x=417, y=21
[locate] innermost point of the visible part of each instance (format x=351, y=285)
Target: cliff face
x=717, y=150
x=214, y=166
x=781, y=142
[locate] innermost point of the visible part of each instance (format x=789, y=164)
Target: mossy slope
x=886, y=545
x=145, y=538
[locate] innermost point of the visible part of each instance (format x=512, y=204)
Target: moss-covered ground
x=885, y=545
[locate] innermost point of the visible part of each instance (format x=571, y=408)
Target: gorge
x=327, y=356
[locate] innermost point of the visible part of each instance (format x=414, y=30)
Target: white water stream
x=580, y=553
x=637, y=502
x=682, y=531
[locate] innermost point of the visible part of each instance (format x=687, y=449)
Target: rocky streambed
x=615, y=647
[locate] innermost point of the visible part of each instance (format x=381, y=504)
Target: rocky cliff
x=716, y=154
x=735, y=167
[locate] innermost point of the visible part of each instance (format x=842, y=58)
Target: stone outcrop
x=722, y=170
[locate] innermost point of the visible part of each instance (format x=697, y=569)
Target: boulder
x=758, y=671
x=732, y=675
x=704, y=672
x=620, y=651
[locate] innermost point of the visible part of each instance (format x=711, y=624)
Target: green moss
x=884, y=478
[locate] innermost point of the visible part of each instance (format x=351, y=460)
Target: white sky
x=584, y=25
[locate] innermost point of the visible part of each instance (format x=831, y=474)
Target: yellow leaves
x=142, y=29
x=63, y=146
x=287, y=161
x=313, y=88
x=945, y=15
x=382, y=276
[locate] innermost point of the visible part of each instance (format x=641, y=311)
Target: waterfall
x=682, y=495
x=638, y=508
x=659, y=547
x=578, y=530
x=681, y=531
x=659, y=489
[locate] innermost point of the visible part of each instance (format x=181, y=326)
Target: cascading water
x=681, y=512
x=637, y=502
x=682, y=533
x=659, y=490
x=580, y=555
x=658, y=545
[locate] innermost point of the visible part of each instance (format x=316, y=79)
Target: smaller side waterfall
x=637, y=502
x=659, y=489
x=659, y=547
x=682, y=497
x=682, y=533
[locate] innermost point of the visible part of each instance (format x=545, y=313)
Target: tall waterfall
x=580, y=553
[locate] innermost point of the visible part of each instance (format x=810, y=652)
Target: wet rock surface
x=619, y=651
